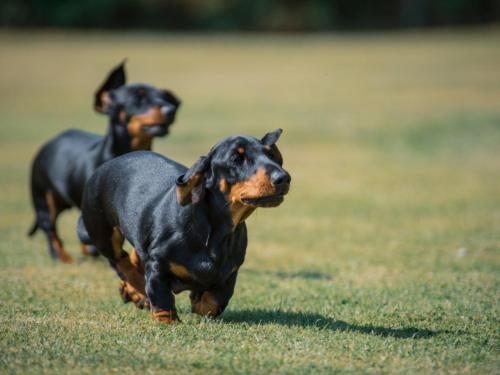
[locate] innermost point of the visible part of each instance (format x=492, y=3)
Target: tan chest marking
x=179, y=270
x=240, y=212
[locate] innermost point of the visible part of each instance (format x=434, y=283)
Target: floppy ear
x=269, y=142
x=271, y=138
x=171, y=98
x=190, y=186
x=115, y=79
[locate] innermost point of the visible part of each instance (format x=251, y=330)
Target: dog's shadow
x=305, y=319
x=306, y=275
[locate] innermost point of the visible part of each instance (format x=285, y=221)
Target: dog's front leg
x=160, y=294
x=212, y=302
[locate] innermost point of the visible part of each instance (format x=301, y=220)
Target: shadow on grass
x=295, y=319
x=306, y=275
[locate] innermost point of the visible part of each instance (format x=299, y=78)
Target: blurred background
x=391, y=118
x=256, y=15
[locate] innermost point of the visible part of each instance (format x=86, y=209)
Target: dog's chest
x=205, y=268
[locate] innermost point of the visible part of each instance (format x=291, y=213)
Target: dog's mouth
x=155, y=130
x=267, y=201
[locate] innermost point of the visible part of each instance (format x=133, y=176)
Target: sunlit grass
x=392, y=142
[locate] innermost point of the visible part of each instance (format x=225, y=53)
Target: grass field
x=393, y=144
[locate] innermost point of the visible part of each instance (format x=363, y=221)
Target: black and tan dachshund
x=187, y=226
x=137, y=113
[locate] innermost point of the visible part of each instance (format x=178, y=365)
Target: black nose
x=280, y=177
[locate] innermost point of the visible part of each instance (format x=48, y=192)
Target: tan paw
x=166, y=316
x=206, y=305
x=130, y=294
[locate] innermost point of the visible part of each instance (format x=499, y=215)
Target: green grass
x=393, y=144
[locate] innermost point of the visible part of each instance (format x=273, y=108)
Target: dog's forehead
x=142, y=89
x=137, y=94
x=235, y=142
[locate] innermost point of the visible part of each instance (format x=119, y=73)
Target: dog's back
x=124, y=188
x=135, y=175
x=59, y=165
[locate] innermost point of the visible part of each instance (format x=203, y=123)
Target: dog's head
x=246, y=170
x=139, y=111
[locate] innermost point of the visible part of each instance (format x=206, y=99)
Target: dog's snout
x=280, y=178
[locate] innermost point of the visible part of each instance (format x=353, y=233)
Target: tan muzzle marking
x=141, y=140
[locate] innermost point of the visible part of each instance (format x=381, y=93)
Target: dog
x=187, y=226
x=137, y=113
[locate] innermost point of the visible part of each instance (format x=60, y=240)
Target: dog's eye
x=238, y=158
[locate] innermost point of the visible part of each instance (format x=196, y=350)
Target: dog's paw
x=204, y=304
x=122, y=289
x=89, y=250
x=166, y=316
x=130, y=294
x=58, y=248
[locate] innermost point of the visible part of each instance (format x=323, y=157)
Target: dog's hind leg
x=86, y=243
x=43, y=219
x=129, y=268
x=55, y=243
x=109, y=240
x=47, y=210
x=127, y=291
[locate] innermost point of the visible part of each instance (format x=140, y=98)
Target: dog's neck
x=217, y=211
x=117, y=140
x=214, y=207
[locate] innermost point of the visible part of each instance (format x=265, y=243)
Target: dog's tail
x=33, y=229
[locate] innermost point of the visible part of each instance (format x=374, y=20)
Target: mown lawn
x=384, y=258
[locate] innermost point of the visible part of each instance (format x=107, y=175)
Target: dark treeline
x=277, y=15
